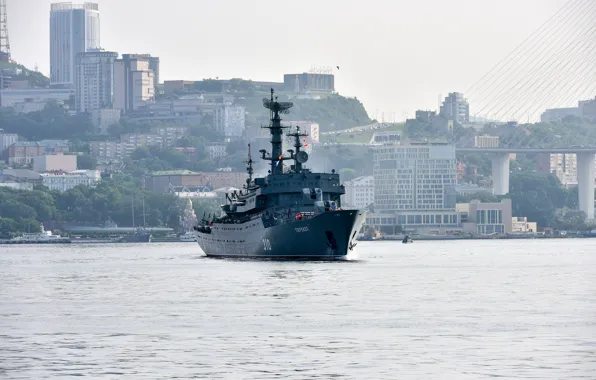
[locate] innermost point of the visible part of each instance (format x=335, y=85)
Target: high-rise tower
x=74, y=29
x=4, y=42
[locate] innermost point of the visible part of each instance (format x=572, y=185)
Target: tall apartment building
x=230, y=120
x=74, y=29
x=455, y=107
x=153, y=65
x=94, y=80
x=564, y=167
x=6, y=140
x=414, y=186
x=135, y=81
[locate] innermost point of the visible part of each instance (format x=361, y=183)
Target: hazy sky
x=394, y=55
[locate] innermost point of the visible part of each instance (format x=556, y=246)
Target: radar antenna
x=276, y=130
x=299, y=157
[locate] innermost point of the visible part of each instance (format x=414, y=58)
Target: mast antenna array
x=4, y=41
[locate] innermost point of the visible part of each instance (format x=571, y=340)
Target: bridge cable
x=526, y=58
x=543, y=83
x=533, y=84
x=538, y=31
x=547, y=27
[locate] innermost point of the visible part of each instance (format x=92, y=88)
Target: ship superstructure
x=293, y=213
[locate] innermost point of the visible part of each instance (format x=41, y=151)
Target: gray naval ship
x=289, y=214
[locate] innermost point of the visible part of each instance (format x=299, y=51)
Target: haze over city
x=395, y=56
x=446, y=150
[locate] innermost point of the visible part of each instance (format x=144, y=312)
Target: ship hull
x=137, y=238
x=328, y=236
x=55, y=241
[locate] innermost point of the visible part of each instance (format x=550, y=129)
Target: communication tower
x=4, y=42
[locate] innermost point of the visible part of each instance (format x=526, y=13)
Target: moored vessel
x=43, y=237
x=288, y=214
x=188, y=236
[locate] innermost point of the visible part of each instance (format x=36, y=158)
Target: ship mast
x=298, y=156
x=249, y=169
x=276, y=130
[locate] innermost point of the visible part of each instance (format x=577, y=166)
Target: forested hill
x=35, y=79
x=331, y=112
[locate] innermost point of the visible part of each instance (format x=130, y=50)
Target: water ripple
x=462, y=310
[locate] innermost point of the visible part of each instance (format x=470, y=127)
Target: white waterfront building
x=360, y=192
x=62, y=181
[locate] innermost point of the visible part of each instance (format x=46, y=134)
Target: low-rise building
x=189, y=151
x=386, y=137
x=52, y=146
x=28, y=107
x=22, y=152
x=12, y=96
x=136, y=140
x=63, y=181
x=108, y=150
x=55, y=162
x=161, y=182
x=17, y=185
x=127, y=144
x=20, y=176
x=486, y=141
x=217, y=150
x=487, y=218
x=103, y=118
x=520, y=224
x=170, y=135
x=360, y=192
x=557, y=114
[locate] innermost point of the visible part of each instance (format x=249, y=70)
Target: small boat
x=407, y=239
x=43, y=237
x=188, y=237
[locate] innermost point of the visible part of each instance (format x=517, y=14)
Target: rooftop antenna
x=4, y=41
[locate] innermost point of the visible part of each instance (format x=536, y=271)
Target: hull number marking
x=266, y=245
x=302, y=229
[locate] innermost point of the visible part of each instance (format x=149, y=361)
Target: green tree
x=347, y=174
x=86, y=162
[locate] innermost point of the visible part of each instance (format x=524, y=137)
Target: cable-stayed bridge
x=555, y=67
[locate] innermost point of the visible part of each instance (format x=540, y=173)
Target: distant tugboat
x=292, y=215
x=43, y=237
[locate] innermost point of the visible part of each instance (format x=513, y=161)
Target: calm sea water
x=440, y=310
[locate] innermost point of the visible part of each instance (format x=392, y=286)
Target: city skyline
x=385, y=91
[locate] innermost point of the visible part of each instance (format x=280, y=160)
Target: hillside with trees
x=112, y=199
x=35, y=78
